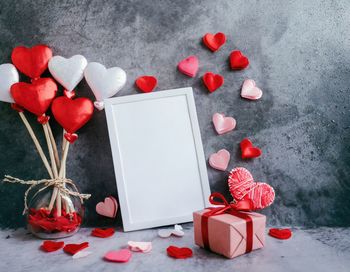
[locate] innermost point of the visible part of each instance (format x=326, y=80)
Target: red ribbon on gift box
x=234, y=209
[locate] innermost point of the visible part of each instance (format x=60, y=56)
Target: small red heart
x=249, y=151
x=146, y=83
x=179, y=252
x=102, y=233
x=238, y=61
x=43, y=119
x=31, y=61
x=214, y=42
x=50, y=246
x=213, y=81
x=72, y=114
x=71, y=137
x=68, y=94
x=282, y=234
x=35, y=97
x=74, y=248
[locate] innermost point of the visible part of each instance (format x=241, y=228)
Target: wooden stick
x=36, y=143
x=66, y=202
x=54, y=146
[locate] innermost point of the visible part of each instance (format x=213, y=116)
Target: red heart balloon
x=282, y=234
x=31, y=61
x=146, y=83
x=72, y=114
x=35, y=97
x=179, y=252
x=74, y=248
x=249, y=151
x=238, y=61
x=50, y=246
x=213, y=81
x=214, y=42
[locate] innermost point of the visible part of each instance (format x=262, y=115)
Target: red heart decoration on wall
x=51, y=246
x=35, y=97
x=74, y=248
x=31, y=61
x=213, y=81
x=179, y=252
x=238, y=61
x=146, y=83
x=282, y=234
x=249, y=151
x=214, y=42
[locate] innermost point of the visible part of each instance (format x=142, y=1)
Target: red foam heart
x=179, y=252
x=50, y=246
x=249, y=151
x=31, y=61
x=238, y=61
x=282, y=234
x=102, y=233
x=214, y=42
x=213, y=81
x=243, y=187
x=146, y=83
x=71, y=137
x=35, y=97
x=74, y=248
x=72, y=114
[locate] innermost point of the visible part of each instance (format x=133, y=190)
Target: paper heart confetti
x=74, y=248
x=176, y=231
x=179, y=252
x=8, y=76
x=146, y=83
x=223, y=124
x=103, y=233
x=144, y=247
x=214, y=42
x=220, y=160
x=238, y=61
x=248, y=150
x=107, y=208
x=213, y=81
x=35, y=97
x=51, y=246
x=81, y=254
x=68, y=72
x=282, y=234
x=189, y=66
x=243, y=187
x=119, y=256
x=31, y=61
x=250, y=91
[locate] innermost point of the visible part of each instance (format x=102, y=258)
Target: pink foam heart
x=250, y=91
x=107, y=208
x=220, y=160
x=223, y=124
x=189, y=66
x=119, y=256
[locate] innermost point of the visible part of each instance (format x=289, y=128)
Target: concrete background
x=299, y=53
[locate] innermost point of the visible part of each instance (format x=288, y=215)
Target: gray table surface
x=321, y=249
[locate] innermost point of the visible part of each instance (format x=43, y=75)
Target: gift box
x=228, y=231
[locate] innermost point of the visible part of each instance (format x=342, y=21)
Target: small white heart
x=81, y=254
x=8, y=76
x=165, y=233
x=250, y=91
x=99, y=105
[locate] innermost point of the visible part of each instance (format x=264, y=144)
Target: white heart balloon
x=8, y=76
x=103, y=82
x=68, y=72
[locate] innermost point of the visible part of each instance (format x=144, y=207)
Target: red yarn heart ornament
x=214, y=42
x=72, y=114
x=31, y=61
x=146, y=83
x=213, y=81
x=51, y=246
x=282, y=234
x=179, y=252
x=238, y=61
x=249, y=151
x=35, y=97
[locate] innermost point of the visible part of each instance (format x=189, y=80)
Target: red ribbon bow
x=230, y=208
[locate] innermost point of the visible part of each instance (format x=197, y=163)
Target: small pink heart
x=220, y=160
x=250, y=91
x=144, y=247
x=107, y=208
x=223, y=124
x=189, y=66
x=100, y=105
x=119, y=256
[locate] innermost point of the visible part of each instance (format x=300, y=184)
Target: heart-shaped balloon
x=72, y=114
x=31, y=61
x=8, y=76
x=68, y=72
x=103, y=82
x=35, y=97
x=243, y=187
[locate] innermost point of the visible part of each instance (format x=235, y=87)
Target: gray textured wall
x=300, y=56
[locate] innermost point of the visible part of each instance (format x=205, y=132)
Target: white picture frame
x=158, y=158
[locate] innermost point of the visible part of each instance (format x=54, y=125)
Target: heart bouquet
x=55, y=210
